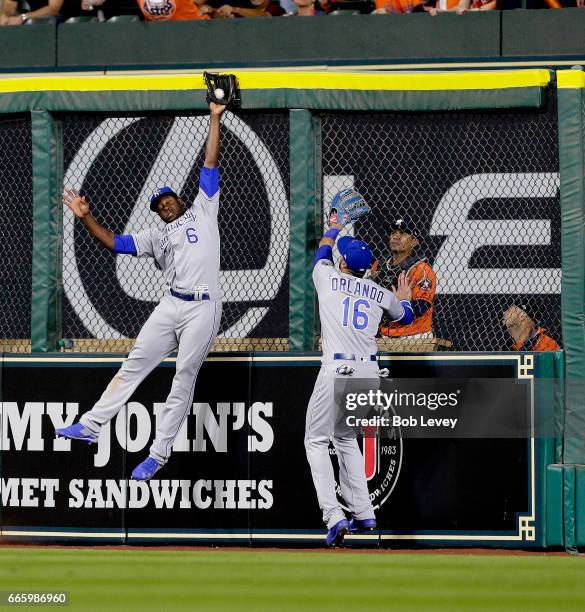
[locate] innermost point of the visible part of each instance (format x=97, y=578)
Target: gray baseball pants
x=190, y=326
x=321, y=426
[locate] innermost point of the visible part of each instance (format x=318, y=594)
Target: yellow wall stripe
x=426, y=81
x=571, y=79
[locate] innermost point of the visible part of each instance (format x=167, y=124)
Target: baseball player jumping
x=350, y=309
x=187, y=317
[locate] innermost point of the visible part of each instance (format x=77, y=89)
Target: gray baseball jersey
x=350, y=310
x=187, y=250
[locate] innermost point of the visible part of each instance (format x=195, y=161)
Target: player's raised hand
x=403, y=289
x=75, y=202
x=216, y=109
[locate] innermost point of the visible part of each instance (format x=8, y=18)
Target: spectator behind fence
x=225, y=9
x=521, y=321
x=288, y=6
x=309, y=8
x=19, y=12
x=477, y=5
x=461, y=6
x=172, y=10
x=400, y=6
x=403, y=243
x=109, y=8
x=556, y=4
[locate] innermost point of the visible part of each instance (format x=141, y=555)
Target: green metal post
x=46, y=260
x=305, y=200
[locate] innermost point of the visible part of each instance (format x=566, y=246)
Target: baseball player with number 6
x=350, y=309
x=187, y=317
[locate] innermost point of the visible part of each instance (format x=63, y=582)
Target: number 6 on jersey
x=191, y=235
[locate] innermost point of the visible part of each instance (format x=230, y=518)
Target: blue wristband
x=408, y=317
x=332, y=233
x=324, y=252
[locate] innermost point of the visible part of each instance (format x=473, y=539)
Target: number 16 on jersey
x=355, y=312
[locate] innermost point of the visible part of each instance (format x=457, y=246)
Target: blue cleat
x=146, y=470
x=359, y=526
x=77, y=432
x=336, y=534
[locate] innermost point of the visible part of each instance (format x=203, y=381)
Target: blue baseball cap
x=158, y=194
x=357, y=254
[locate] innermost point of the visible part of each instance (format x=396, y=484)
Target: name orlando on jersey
x=354, y=286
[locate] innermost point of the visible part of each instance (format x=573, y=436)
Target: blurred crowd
x=19, y=12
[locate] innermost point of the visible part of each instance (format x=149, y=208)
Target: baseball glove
x=348, y=206
x=226, y=83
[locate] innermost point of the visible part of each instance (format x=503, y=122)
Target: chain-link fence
x=16, y=242
x=117, y=162
x=479, y=192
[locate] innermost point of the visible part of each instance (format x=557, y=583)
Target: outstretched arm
x=330, y=237
x=213, y=138
x=10, y=16
x=52, y=9
x=80, y=208
x=325, y=250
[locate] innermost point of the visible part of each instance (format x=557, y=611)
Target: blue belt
x=190, y=297
x=351, y=357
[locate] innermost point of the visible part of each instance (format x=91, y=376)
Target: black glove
x=226, y=83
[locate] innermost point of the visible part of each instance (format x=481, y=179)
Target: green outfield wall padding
x=580, y=505
x=304, y=195
x=572, y=182
x=543, y=33
x=559, y=403
x=46, y=274
x=547, y=408
x=569, y=506
x=30, y=47
x=554, y=505
x=263, y=42
x=144, y=101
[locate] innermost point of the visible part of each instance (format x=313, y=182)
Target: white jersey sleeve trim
x=322, y=271
x=144, y=243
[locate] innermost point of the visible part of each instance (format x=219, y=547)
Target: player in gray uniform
x=187, y=317
x=350, y=309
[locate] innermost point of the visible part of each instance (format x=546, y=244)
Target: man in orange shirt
x=403, y=242
x=171, y=10
x=522, y=324
x=399, y=6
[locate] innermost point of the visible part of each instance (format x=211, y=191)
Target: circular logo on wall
x=124, y=160
x=382, y=451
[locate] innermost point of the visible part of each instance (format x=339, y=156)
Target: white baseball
x=218, y=93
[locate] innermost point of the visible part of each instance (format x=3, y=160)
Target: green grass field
x=206, y=579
